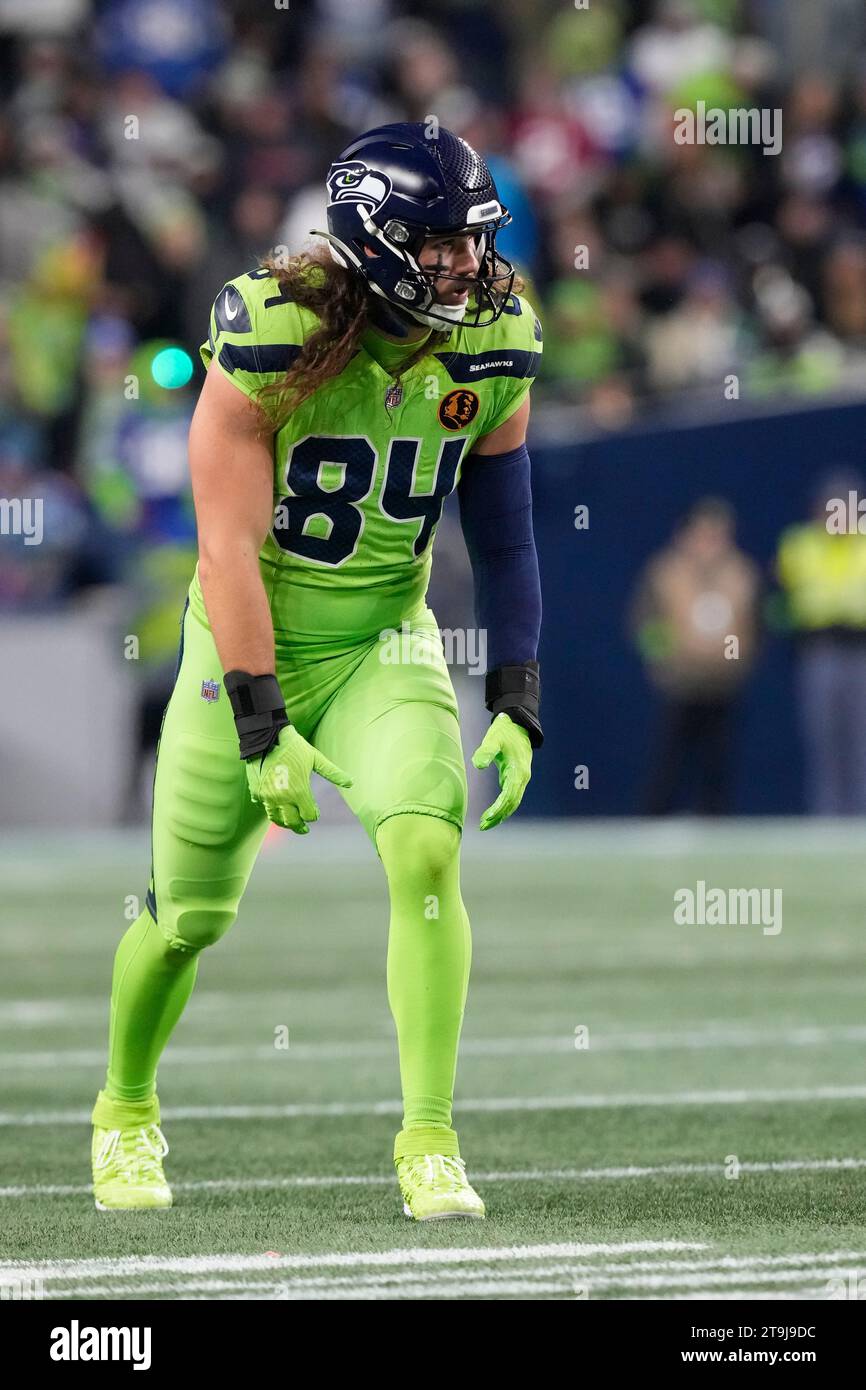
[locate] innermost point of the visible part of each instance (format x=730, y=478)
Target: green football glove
x=280, y=780
x=507, y=744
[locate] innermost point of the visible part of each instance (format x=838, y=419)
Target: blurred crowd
x=698, y=614
x=152, y=149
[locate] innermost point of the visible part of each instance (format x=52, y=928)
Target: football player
x=349, y=391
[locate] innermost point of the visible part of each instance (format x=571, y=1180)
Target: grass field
x=709, y=1142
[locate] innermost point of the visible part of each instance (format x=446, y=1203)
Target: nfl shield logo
x=210, y=691
x=393, y=396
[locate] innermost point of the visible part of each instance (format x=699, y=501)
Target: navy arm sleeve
x=495, y=498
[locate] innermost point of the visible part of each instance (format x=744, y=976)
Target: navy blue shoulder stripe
x=284, y=297
x=258, y=357
x=477, y=366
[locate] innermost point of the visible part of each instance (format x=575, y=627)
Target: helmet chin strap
x=397, y=320
x=387, y=316
x=454, y=313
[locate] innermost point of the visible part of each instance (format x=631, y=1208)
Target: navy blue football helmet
x=391, y=189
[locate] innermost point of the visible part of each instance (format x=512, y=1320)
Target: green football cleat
x=435, y=1188
x=127, y=1158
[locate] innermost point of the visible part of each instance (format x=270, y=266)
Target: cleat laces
x=141, y=1153
x=444, y=1172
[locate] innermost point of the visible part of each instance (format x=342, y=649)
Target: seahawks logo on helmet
x=353, y=182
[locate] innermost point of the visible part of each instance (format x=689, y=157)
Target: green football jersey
x=363, y=467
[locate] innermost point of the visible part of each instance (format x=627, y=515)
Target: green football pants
x=384, y=712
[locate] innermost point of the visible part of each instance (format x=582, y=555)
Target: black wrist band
x=516, y=691
x=259, y=710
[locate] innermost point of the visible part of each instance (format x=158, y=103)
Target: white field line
x=520, y=1288
x=700, y=1278
x=585, y=1281
x=260, y=1289
x=743, y=1265
x=53, y=1270
x=480, y=1105
x=460, y=1288
x=740, y=1295
x=685, y=1278
x=204, y=1054
x=126, y=1272
x=711, y=1279
x=794, y=1165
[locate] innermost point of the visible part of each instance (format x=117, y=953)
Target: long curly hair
x=313, y=280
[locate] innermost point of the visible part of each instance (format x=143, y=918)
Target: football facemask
x=387, y=261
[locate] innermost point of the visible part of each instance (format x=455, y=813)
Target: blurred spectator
x=51, y=545
x=822, y=572
x=844, y=292
x=234, y=244
x=676, y=44
x=796, y=357
x=158, y=578
x=811, y=160
x=486, y=130
x=132, y=456
x=176, y=42
x=806, y=226
x=424, y=73
x=593, y=325
x=694, y=615
x=132, y=459
x=552, y=148
x=830, y=34
x=700, y=341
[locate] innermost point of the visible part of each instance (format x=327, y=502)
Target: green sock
x=151, y=984
x=429, y=956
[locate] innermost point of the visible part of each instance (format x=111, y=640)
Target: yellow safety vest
x=824, y=576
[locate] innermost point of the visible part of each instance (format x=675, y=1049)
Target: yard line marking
x=338, y=1109
x=127, y=1271
x=397, y=1293
x=792, y=1165
x=712, y=1280
x=204, y=1264
x=736, y=1295
x=571, y=1281
x=784, y=1165
x=460, y=1290
x=569, y=1285
x=744, y=1266
x=205, y=1054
